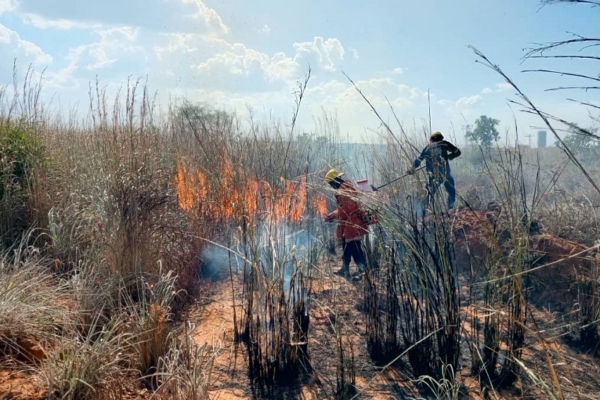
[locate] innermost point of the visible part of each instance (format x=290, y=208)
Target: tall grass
x=258, y=189
x=125, y=203
x=113, y=256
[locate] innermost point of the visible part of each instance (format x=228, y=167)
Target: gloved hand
x=331, y=216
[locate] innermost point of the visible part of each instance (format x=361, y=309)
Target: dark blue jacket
x=437, y=155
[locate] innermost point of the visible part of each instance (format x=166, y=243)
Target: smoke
x=284, y=250
x=216, y=261
x=280, y=251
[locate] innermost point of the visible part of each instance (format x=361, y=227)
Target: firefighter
x=436, y=155
x=352, y=223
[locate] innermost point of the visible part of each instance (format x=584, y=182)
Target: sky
x=242, y=55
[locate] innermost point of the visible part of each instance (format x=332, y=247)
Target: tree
x=582, y=142
x=485, y=131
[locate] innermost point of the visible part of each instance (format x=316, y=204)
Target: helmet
x=332, y=174
x=436, y=136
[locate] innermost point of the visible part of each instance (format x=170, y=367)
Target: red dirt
x=20, y=385
x=482, y=238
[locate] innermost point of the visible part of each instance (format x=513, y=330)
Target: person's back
x=436, y=155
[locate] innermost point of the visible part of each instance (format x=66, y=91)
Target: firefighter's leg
x=451, y=189
x=346, y=257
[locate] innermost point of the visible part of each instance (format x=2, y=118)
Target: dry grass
x=127, y=204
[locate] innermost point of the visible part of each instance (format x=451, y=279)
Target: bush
x=21, y=153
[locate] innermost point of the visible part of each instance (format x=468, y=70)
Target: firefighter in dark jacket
x=436, y=155
x=352, y=223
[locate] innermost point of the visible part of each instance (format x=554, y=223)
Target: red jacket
x=352, y=220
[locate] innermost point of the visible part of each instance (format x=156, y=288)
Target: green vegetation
x=485, y=132
x=22, y=165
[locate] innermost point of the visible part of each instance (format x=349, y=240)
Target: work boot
x=343, y=272
x=358, y=276
x=361, y=272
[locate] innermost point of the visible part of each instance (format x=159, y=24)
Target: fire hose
x=397, y=179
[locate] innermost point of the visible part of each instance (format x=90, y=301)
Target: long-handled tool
x=397, y=179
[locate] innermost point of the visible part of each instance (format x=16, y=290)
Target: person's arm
x=332, y=216
x=421, y=157
x=453, y=151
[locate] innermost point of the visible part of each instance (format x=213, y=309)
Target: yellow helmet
x=332, y=174
x=437, y=135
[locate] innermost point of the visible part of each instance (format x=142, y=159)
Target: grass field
x=186, y=257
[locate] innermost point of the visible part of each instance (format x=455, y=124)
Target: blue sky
x=236, y=54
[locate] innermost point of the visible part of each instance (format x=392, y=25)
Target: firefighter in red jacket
x=352, y=223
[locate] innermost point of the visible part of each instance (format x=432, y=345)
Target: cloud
x=354, y=53
x=486, y=90
x=339, y=97
x=265, y=29
x=211, y=18
x=13, y=46
x=113, y=45
x=154, y=15
x=238, y=67
x=397, y=71
x=503, y=86
x=463, y=102
x=327, y=54
x=461, y=108
x=216, y=63
x=468, y=101
x=7, y=6
x=62, y=24
x=354, y=112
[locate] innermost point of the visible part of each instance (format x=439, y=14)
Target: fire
x=184, y=188
x=231, y=195
x=320, y=204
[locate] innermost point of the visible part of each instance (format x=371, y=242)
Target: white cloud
x=503, y=86
x=486, y=90
x=153, y=15
x=326, y=54
x=7, y=6
x=397, y=71
x=243, y=62
x=114, y=44
x=216, y=63
x=21, y=48
x=211, y=18
x=63, y=24
x=354, y=53
x=468, y=101
x=265, y=29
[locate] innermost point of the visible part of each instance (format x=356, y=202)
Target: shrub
x=21, y=154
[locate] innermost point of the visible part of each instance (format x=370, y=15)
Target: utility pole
x=429, y=108
x=529, y=138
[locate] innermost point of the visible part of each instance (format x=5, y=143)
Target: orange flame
x=184, y=189
x=229, y=198
x=320, y=204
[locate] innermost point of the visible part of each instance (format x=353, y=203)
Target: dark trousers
x=445, y=178
x=353, y=250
